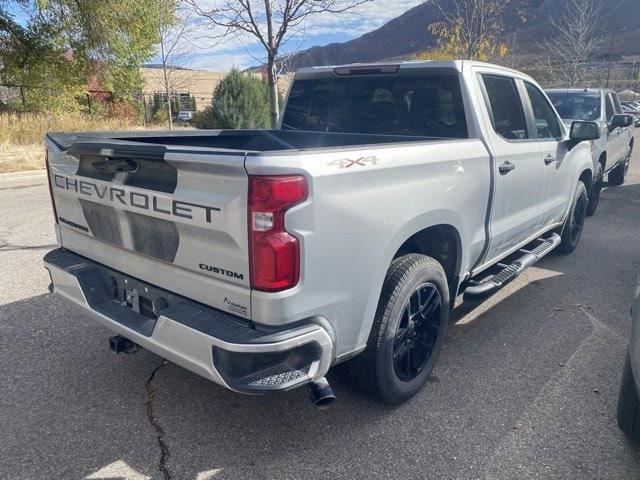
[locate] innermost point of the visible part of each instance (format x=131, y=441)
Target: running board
x=477, y=291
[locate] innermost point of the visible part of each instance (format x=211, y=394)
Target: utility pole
x=611, y=30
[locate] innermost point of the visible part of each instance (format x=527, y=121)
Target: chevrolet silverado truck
x=261, y=258
x=611, y=152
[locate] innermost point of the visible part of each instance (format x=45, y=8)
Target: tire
x=408, y=330
x=574, y=224
x=618, y=174
x=629, y=404
x=594, y=195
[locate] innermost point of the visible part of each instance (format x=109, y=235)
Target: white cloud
x=244, y=51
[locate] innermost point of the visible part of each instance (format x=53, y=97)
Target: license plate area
x=142, y=299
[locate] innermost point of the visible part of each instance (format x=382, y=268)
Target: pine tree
x=240, y=101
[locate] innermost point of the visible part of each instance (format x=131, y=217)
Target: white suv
x=612, y=151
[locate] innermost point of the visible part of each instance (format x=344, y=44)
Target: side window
x=545, y=119
x=609, y=107
x=616, y=103
x=506, y=107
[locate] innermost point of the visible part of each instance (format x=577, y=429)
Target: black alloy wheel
x=577, y=219
x=417, y=332
x=408, y=330
x=574, y=223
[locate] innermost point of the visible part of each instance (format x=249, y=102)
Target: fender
x=581, y=156
x=410, y=228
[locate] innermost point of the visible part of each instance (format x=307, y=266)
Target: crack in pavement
x=151, y=416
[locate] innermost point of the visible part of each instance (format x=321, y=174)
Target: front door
x=616, y=136
x=557, y=180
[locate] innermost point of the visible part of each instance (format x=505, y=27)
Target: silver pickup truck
x=611, y=152
x=259, y=259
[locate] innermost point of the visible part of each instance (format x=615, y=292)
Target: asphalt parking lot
x=526, y=386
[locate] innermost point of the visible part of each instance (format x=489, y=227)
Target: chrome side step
x=477, y=291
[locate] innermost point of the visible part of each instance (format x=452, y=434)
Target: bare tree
x=472, y=28
x=271, y=22
x=573, y=46
x=174, y=51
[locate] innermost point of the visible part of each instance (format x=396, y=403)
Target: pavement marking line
x=528, y=433
x=118, y=469
x=208, y=474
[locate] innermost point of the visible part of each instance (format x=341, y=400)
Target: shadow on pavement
x=70, y=407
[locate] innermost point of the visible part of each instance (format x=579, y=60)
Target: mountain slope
x=407, y=34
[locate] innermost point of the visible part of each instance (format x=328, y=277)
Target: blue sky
x=321, y=29
x=245, y=51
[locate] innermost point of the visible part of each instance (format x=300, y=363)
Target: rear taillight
x=53, y=202
x=275, y=254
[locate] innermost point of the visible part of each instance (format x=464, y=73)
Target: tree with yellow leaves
x=470, y=30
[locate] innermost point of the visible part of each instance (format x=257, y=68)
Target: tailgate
x=172, y=216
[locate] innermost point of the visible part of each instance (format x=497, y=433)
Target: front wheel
x=618, y=174
x=574, y=224
x=596, y=188
x=408, y=330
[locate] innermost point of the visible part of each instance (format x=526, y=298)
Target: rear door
x=557, y=178
x=515, y=213
x=172, y=216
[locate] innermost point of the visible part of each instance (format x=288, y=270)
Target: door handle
x=506, y=167
x=549, y=159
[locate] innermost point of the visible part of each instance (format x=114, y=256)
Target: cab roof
x=580, y=90
x=453, y=66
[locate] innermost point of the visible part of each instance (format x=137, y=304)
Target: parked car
x=628, y=400
x=185, y=116
x=632, y=109
x=633, y=104
x=260, y=258
x=611, y=152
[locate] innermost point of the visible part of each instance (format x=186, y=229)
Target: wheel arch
x=586, y=177
x=412, y=238
x=443, y=243
x=602, y=160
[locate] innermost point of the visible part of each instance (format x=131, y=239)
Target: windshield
x=415, y=105
x=576, y=105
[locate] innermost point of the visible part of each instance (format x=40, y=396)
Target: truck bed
x=236, y=140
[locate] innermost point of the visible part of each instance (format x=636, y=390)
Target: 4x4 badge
x=347, y=162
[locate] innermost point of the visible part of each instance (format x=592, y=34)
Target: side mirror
x=581, y=131
x=622, y=120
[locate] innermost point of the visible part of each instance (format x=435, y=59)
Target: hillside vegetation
x=408, y=34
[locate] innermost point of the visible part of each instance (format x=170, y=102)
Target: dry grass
x=15, y=158
x=21, y=135
x=30, y=128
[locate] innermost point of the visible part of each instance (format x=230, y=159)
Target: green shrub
x=240, y=101
x=203, y=118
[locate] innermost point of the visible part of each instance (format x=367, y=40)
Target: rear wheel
x=574, y=224
x=408, y=330
x=594, y=195
x=629, y=404
x=618, y=174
